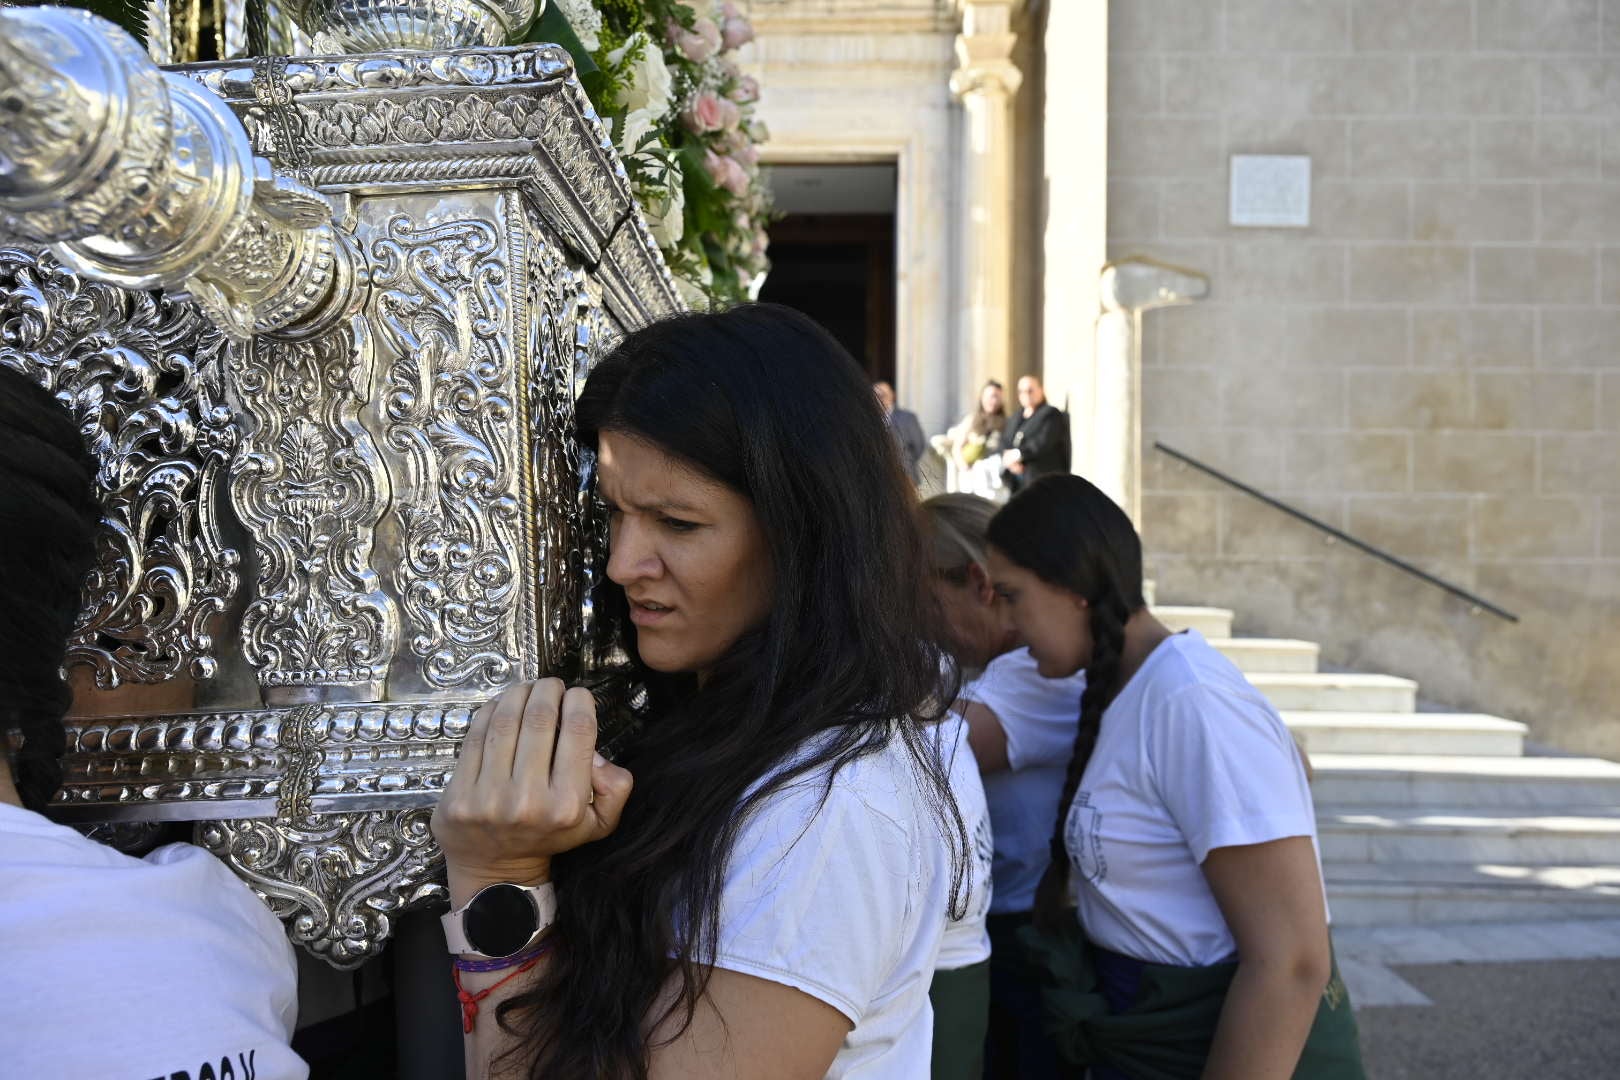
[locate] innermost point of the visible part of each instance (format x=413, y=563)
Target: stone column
x=1075, y=160
x=985, y=81
x=1128, y=287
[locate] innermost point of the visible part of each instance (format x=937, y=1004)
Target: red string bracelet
x=469, y=1002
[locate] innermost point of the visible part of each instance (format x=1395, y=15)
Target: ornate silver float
x=323, y=320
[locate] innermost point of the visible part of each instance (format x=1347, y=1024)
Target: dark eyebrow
x=666, y=508
x=660, y=507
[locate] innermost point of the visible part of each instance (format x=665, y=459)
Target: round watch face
x=500, y=920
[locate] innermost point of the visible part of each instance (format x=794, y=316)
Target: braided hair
x=1068, y=533
x=49, y=518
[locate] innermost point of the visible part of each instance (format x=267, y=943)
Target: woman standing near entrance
x=1185, y=809
x=766, y=897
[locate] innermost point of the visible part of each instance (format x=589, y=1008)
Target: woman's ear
x=979, y=581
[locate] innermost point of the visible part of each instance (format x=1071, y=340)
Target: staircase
x=1432, y=817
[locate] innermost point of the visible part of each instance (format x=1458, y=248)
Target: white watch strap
x=455, y=933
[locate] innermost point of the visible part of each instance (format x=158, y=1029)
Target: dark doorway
x=832, y=255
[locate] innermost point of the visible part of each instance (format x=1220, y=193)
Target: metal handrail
x=1339, y=534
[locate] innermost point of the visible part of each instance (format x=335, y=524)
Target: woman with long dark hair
x=759, y=884
x=1186, y=810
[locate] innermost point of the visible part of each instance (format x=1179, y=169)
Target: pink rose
x=725, y=172
x=745, y=91
x=715, y=165
x=696, y=44
x=735, y=32
x=708, y=33
x=748, y=155
x=730, y=114
x=705, y=113
x=729, y=70
x=761, y=243
x=736, y=178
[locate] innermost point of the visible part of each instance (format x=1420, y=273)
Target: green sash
x=1166, y=1035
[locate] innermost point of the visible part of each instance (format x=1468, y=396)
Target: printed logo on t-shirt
x=984, y=851
x=239, y=1068
x=1082, y=836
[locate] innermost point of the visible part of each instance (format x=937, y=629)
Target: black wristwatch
x=502, y=920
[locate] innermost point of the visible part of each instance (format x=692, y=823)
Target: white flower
x=647, y=95
x=585, y=20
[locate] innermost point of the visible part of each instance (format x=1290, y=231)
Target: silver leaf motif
x=336, y=880
x=440, y=299
x=311, y=487
x=143, y=374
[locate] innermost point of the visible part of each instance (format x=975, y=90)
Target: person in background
x=86, y=932
x=1036, y=440
x=1186, y=812
x=1021, y=729
x=906, y=429
x=978, y=436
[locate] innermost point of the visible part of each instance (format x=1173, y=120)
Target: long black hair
x=49, y=519
x=1065, y=531
x=762, y=400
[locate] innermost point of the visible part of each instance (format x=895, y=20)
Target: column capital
x=984, y=48
x=985, y=76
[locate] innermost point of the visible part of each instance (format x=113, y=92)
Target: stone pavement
x=1469, y=1002
x=1535, y=1020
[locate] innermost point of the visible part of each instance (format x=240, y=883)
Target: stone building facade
x=1432, y=364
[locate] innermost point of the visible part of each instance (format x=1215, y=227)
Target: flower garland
x=682, y=116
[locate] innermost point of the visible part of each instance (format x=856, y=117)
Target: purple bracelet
x=501, y=964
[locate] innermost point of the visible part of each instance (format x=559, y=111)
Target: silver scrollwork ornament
x=337, y=880
x=323, y=322
x=144, y=376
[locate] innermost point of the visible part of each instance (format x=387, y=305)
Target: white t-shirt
x=1039, y=717
x=1189, y=758
x=845, y=899
x=137, y=968
x=967, y=940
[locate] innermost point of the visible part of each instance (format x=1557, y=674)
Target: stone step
x=1386, y=894
x=1446, y=780
x=1337, y=691
x=1406, y=733
x=1254, y=655
x=1476, y=943
x=1520, y=836
x=1210, y=621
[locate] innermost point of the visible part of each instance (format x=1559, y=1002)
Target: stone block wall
x=1433, y=365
